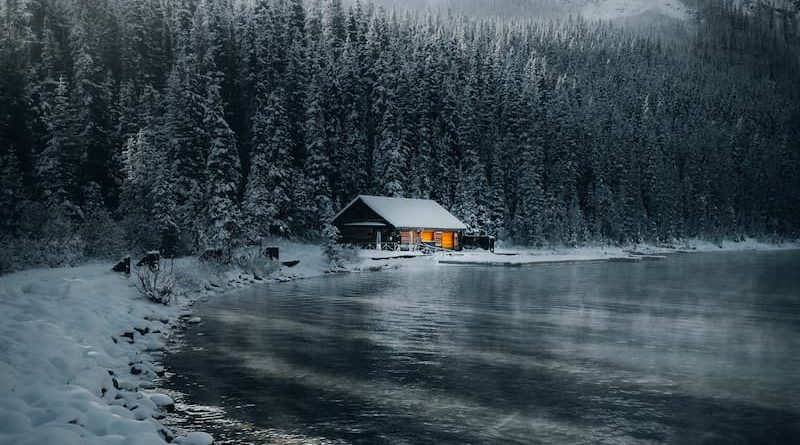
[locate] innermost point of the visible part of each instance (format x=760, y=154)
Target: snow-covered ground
x=79, y=346
x=74, y=360
x=79, y=349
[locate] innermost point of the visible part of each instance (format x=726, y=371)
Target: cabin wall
x=367, y=235
x=445, y=239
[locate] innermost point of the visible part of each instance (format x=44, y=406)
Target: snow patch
x=195, y=438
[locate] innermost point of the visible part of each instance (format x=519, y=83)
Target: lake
x=699, y=348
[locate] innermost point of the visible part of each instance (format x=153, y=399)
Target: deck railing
x=425, y=248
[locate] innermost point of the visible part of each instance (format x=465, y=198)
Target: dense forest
x=194, y=124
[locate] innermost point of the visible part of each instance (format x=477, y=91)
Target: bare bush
x=251, y=260
x=156, y=284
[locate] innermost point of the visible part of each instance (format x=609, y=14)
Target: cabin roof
x=409, y=213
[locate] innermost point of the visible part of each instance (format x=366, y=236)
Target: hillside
x=201, y=125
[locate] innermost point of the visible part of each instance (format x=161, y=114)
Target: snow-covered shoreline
x=79, y=346
x=76, y=358
x=511, y=256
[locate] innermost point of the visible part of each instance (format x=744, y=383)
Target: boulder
x=124, y=265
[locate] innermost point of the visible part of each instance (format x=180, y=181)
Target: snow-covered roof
x=410, y=213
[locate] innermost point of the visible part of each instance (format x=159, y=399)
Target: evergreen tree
x=187, y=141
x=12, y=191
x=268, y=195
x=318, y=163
x=57, y=168
x=148, y=196
x=528, y=224
x=223, y=173
x=331, y=248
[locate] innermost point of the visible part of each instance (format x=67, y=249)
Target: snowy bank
x=511, y=256
x=79, y=347
x=76, y=358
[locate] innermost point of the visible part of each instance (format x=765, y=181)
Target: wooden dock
x=543, y=260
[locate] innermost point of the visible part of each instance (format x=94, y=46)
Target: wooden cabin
x=398, y=223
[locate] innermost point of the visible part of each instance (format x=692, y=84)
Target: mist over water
x=698, y=348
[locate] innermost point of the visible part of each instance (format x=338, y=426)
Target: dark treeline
x=192, y=124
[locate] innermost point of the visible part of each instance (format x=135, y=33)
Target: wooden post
x=272, y=253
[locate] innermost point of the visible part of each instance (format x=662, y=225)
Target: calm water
x=698, y=348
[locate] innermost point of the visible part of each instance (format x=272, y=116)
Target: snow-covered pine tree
x=465, y=208
x=92, y=100
x=147, y=41
x=162, y=202
x=527, y=227
x=472, y=185
x=223, y=173
x=187, y=141
x=351, y=159
x=17, y=141
x=12, y=191
x=331, y=247
x=213, y=40
x=268, y=196
x=148, y=205
x=296, y=77
x=390, y=159
x=497, y=207
x=101, y=234
x=57, y=166
x=333, y=27
x=391, y=152
x=318, y=168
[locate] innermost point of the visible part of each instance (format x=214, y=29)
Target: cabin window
x=427, y=236
x=448, y=240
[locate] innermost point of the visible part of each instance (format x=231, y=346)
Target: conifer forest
x=185, y=125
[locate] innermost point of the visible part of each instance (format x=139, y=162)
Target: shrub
x=251, y=260
x=156, y=283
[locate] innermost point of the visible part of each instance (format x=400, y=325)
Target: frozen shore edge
x=79, y=346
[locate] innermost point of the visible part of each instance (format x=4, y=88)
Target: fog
x=648, y=11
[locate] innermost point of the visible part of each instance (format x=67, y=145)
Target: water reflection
x=696, y=349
